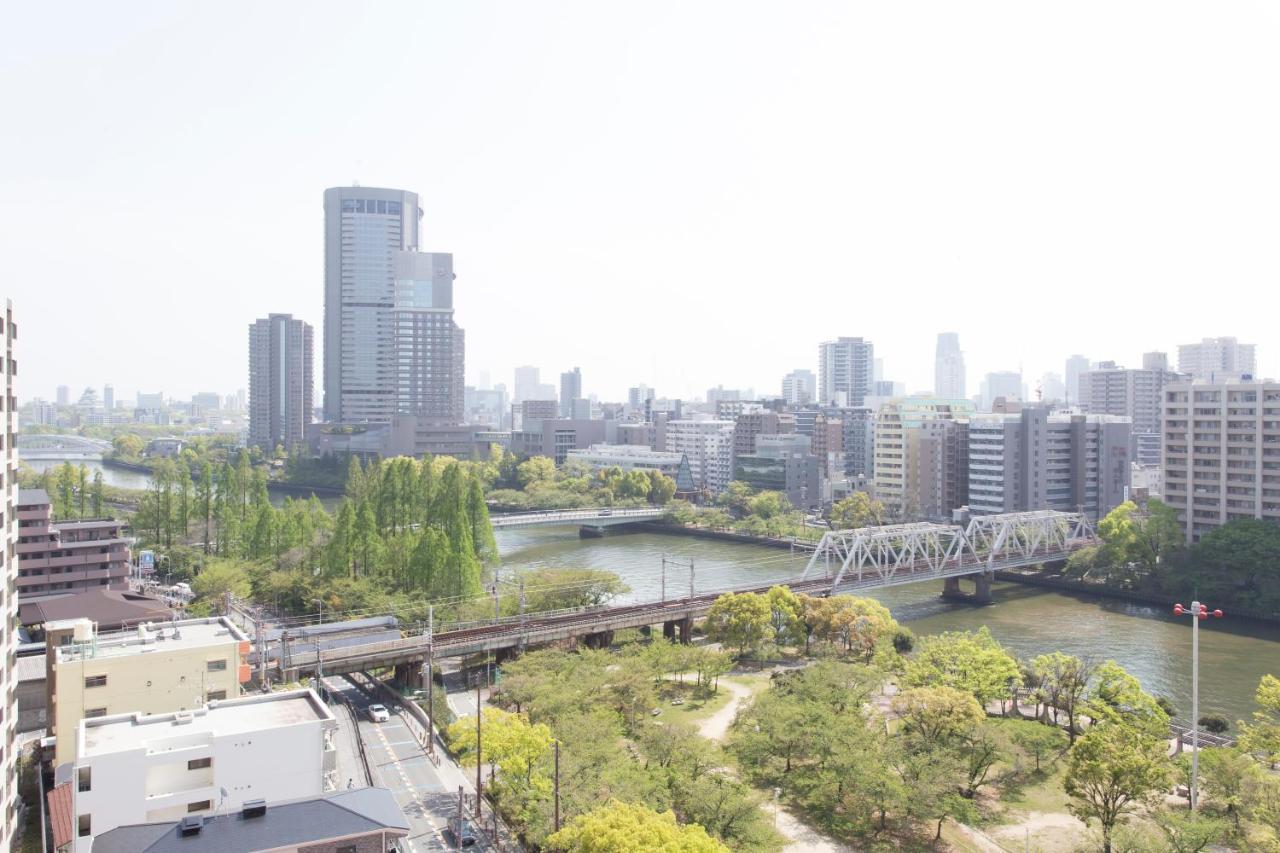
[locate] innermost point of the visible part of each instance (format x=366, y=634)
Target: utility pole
x=479, y=780
x=262, y=657
x=427, y=673
x=457, y=836
x=557, y=786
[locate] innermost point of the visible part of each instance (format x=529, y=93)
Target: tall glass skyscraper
x=391, y=346
x=364, y=229
x=948, y=367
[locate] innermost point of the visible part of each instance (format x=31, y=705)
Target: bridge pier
x=981, y=589
x=408, y=675
x=669, y=631
x=598, y=640
x=585, y=532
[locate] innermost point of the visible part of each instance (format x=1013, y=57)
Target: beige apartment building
x=171, y=666
x=1221, y=452
x=9, y=590
x=908, y=489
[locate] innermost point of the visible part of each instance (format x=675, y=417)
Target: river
x=1149, y=643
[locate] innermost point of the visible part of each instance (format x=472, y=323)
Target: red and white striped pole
x=1198, y=612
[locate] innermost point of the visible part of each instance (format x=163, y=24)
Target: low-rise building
x=174, y=666
x=210, y=759
x=67, y=556
x=362, y=819
x=628, y=457
x=555, y=437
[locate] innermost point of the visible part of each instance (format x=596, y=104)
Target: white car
x=379, y=713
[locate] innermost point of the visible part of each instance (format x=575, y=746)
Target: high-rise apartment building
x=64, y=395
x=9, y=598
x=1042, y=459
x=896, y=422
x=1217, y=360
x=948, y=367
x=109, y=398
x=1221, y=453
x=570, y=390
x=846, y=368
x=800, y=387
x=1076, y=365
x=1135, y=394
x=364, y=229
x=526, y=385
x=708, y=445
x=280, y=381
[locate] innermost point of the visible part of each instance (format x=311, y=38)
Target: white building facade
x=708, y=445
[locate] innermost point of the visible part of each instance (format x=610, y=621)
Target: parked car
x=378, y=713
x=606, y=512
x=463, y=832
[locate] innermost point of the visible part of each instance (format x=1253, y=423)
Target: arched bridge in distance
x=35, y=446
x=846, y=561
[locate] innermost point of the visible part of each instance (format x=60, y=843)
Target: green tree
x=740, y=620
x=786, y=612
x=619, y=827
x=539, y=469
x=1187, y=831
x=96, y=494
x=1111, y=770
x=1064, y=680
x=217, y=578
x=509, y=741
x=936, y=717
x=969, y=661
x=1116, y=696
x=1039, y=742
x=1263, y=734
x=661, y=488
x=857, y=510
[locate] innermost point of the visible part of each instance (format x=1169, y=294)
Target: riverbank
x=296, y=490
x=791, y=544
x=1096, y=590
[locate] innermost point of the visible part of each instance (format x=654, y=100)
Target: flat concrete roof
x=183, y=634
x=123, y=732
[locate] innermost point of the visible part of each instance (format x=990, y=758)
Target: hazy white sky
x=674, y=193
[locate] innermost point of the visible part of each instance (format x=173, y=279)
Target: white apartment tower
x=1217, y=359
x=708, y=445
x=948, y=367
x=846, y=371
x=799, y=387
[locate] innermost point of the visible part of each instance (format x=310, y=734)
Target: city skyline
x=513, y=189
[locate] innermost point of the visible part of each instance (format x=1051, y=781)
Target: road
x=428, y=795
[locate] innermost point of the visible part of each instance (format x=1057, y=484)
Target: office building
x=1155, y=361
x=937, y=469
x=570, y=390
x=1076, y=365
x=1221, y=453
x=1041, y=459
x=1217, y=360
x=280, y=382
x=429, y=346
x=1052, y=389
x=845, y=371
x=753, y=420
x=216, y=758
x=526, y=384
x=708, y=445
x=365, y=228
x=207, y=401
x=109, y=398
x=69, y=556
x=783, y=463
x=64, y=395
x=1001, y=385
x=360, y=819
x=896, y=422
x=827, y=443
x=800, y=387
x=487, y=406
x=173, y=666
x=151, y=402
x=948, y=367
x=554, y=437
x=628, y=457
x=9, y=601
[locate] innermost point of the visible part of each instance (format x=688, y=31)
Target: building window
x=216, y=695
x=199, y=763
x=90, y=713
x=95, y=681
x=202, y=806
x=83, y=827
x=216, y=666
x=83, y=779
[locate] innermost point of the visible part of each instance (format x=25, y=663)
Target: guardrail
x=354, y=719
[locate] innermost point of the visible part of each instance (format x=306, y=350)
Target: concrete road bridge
x=36, y=446
x=591, y=520
x=846, y=561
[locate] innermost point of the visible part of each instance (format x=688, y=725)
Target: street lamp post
x=1198, y=612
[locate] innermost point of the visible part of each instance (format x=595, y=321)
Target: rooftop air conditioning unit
x=191, y=825
x=254, y=808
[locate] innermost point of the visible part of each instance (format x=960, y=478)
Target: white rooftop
x=158, y=733
x=149, y=638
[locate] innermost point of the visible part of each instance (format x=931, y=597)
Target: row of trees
x=73, y=493
x=537, y=483
x=614, y=754
x=742, y=509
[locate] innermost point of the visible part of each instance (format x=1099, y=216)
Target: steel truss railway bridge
x=845, y=561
